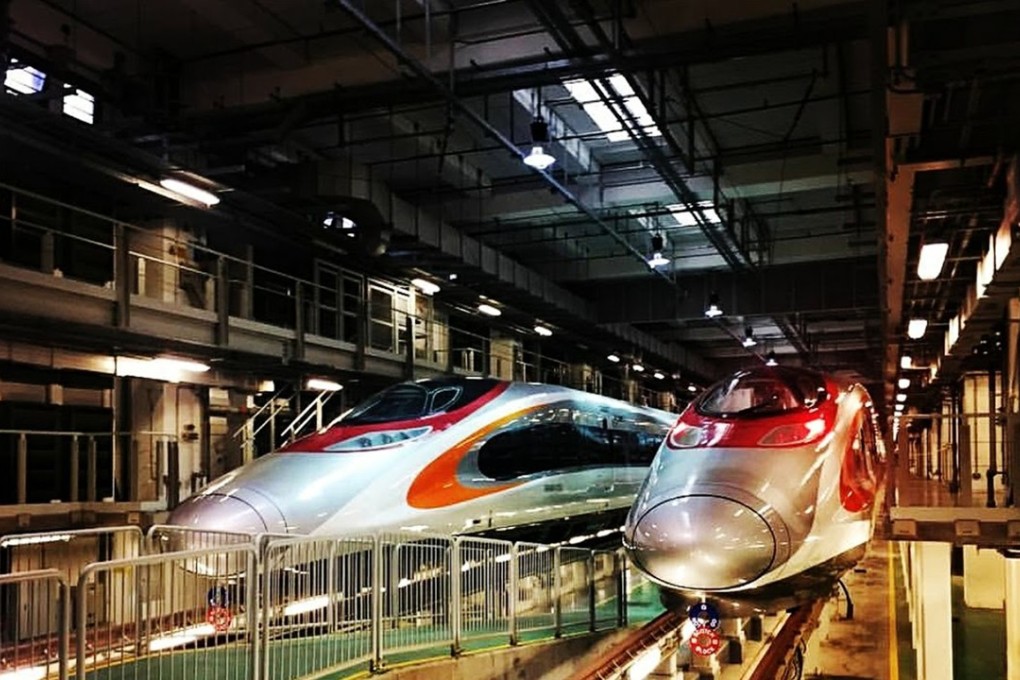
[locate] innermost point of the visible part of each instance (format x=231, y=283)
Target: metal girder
x=704, y=45
x=817, y=287
x=422, y=72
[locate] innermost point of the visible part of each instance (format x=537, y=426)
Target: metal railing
x=35, y=611
x=176, y=271
x=251, y=607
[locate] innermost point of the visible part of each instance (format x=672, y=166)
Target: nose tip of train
x=702, y=543
x=216, y=512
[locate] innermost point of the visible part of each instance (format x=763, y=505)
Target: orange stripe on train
x=437, y=486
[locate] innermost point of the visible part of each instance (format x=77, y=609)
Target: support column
x=983, y=578
x=933, y=640
x=1012, y=619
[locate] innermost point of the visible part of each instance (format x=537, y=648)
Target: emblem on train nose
x=703, y=615
x=705, y=641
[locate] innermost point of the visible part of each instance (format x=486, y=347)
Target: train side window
x=545, y=447
x=443, y=398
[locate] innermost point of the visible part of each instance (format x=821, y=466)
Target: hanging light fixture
x=615, y=358
x=713, y=310
x=771, y=360
x=749, y=340
x=916, y=328
x=906, y=361
x=538, y=158
x=933, y=256
x=901, y=397
x=903, y=383
x=657, y=259
x=543, y=331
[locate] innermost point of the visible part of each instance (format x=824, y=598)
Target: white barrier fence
x=204, y=604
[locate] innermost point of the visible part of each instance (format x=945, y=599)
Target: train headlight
x=379, y=440
x=686, y=436
x=794, y=433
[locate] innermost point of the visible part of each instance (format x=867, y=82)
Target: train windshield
x=408, y=401
x=764, y=392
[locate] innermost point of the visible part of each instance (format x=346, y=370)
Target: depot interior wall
x=161, y=413
x=985, y=436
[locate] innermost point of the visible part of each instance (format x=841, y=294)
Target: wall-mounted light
x=425, y=286
x=489, y=309
x=903, y=383
x=181, y=188
x=748, y=340
x=185, y=365
x=933, y=256
x=322, y=385
x=713, y=310
x=770, y=360
x=615, y=358
x=916, y=328
x=543, y=331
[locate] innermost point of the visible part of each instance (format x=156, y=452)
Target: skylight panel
x=80, y=105
x=24, y=80
x=686, y=218
x=606, y=111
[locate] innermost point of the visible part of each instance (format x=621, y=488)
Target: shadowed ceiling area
x=786, y=161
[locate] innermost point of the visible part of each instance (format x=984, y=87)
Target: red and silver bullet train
x=450, y=455
x=761, y=495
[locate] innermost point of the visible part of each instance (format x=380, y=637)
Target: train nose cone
x=216, y=512
x=703, y=543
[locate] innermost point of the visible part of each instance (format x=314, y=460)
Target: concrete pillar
x=933, y=639
x=1012, y=569
x=983, y=578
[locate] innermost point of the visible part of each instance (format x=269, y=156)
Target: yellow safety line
x=894, y=658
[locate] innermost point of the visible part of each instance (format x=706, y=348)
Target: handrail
x=308, y=413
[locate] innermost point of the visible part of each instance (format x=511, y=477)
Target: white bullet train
x=447, y=456
x=762, y=495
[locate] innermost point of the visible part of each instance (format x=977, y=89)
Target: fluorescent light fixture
x=603, y=106
x=189, y=191
x=614, y=358
x=15, y=541
x=933, y=256
x=659, y=375
x=306, y=605
x=771, y=359
x=644, y=664
x=179, y=638
x=901, y=397
x=185, y=365
x=323, y=385
x=543, y=331
x=685, y=217
x=424, y=286
x=489, y=309
x=916, y=328
x=657, y=260
x=638, y=367
x=80, y=105
x=906, y=361
x=903, y=383
x=30, y=673
x=24, y=80
x=537, y=158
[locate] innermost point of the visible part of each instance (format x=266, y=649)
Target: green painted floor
x=979, y=637
x=346, y=654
